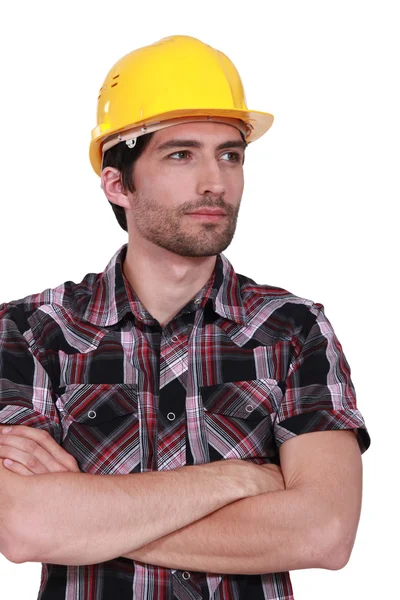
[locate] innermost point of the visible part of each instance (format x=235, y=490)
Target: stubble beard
x=176, y=233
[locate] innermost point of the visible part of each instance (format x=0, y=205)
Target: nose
x=210, y=179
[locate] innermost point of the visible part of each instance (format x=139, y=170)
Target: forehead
x=207, y=133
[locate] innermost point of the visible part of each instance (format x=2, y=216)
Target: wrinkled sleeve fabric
x=26, y=395
x=318, y=391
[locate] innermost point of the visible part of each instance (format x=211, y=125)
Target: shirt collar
x=113, y=297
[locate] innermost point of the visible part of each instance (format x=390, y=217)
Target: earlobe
x=119, y=200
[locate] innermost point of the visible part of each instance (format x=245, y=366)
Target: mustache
x=208, y=202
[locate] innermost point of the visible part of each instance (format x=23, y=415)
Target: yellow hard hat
x=177, y=79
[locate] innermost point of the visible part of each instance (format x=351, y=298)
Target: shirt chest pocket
x=238, y=418
x=101, y=426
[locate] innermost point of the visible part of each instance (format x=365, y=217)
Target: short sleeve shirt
x=240, y=369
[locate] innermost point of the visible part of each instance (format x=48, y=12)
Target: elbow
x=14, y=499
x=337, y=549
x=13, y=543
x=12, y=546
x=6, y=545
x=338, y=560
x=13, y=554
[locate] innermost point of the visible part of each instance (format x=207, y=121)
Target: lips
x=208, y=211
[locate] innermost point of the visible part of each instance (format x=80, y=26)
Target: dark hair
x=123, y=158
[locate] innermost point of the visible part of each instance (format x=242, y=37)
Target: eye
x=178, y=152
x=235, y=155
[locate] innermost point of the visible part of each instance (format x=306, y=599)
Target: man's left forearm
x=277, y=531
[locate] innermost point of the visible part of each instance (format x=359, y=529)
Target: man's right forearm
x=77, y=518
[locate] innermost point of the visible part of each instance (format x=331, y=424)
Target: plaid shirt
x=238, y=371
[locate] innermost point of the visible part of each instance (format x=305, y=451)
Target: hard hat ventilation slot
x=115, y=77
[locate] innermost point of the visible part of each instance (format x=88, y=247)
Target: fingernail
x=6, y=429
x=8, y=462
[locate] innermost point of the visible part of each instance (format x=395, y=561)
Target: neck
x=165, y=281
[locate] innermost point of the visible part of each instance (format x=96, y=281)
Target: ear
x=112, y=186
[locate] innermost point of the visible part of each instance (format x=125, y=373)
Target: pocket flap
x=248, y=399
x=95, y=403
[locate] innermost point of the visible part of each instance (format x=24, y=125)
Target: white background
x=317, y=215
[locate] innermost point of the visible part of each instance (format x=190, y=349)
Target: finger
x=271, y=466
x=46, y=441
x=29, y=454
x=31, y=448
x=16, y=468
x=25, y=459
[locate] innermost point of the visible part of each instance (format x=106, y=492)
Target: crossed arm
x=311, y=523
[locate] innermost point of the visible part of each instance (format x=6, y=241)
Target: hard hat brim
x=257, y=121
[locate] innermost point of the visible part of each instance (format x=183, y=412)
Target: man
x=223, y=409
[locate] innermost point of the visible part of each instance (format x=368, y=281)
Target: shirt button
x=175, y=338
x=186, y=575
x=249, y=408
x=170, y=416
x=91, y=414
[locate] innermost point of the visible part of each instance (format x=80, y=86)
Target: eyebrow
x=195, y=144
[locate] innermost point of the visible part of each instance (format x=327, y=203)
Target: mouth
x=207, y=216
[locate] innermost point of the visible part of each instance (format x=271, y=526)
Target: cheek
x=234, y=182
x=177, y=184
x=146, y=182
x=164, y=191
x=162, y=180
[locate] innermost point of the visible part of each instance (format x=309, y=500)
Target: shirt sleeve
x=318, y=391
x=26, y=395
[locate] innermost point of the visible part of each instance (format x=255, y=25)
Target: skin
x=306, y=515
x=171, y=255
x=294, y=523
x=29, y=451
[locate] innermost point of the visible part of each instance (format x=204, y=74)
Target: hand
x=33, y=452
x=275, y=477
x=256, y=479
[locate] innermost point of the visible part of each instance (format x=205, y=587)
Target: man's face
x=190, y=173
